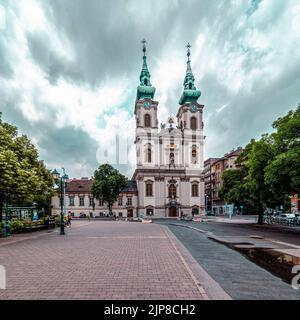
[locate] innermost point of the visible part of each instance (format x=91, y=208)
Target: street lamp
x=206, y=198
x=60, y=182
x=6, y=225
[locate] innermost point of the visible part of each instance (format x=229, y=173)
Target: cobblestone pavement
x=97, y=260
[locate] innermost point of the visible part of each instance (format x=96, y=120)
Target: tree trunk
x=110, y=209
x=260, y=214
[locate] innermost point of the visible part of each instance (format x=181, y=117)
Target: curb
x=212, y=289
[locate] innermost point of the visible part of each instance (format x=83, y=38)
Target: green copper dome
x=145, y=89
x=190, y=92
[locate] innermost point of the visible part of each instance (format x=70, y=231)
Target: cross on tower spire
x=188, y=46
x=144, y=46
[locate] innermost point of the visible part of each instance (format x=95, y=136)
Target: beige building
x=80, y=202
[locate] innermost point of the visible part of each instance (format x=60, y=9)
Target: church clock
x=147, y=104
x=193, y=108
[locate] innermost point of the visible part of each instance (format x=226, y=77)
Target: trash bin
x=6, y=229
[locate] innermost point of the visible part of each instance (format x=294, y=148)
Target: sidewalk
x=233, y=219
x=104, y=260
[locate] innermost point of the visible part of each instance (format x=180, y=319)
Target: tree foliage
x=269, y=170
x=23, y=177
x=232, y=190
x=108, y=183
x=283, y=172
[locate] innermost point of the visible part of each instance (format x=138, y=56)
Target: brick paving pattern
x=97, y=260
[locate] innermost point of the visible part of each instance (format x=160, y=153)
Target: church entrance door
x=172, y=212
x=129, y=213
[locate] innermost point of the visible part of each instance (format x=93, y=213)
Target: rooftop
x=84, y=185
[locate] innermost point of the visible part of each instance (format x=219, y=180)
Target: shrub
x=57, y=219
x=16, y=226
x=27, y=222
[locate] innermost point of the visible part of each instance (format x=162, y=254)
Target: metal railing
x=283, y=219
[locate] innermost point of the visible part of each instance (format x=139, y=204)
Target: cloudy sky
x=69, y=70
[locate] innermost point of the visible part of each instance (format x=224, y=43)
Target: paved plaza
x=99, y=260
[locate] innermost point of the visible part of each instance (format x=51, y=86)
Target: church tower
x=146, y=119
x=190, y=120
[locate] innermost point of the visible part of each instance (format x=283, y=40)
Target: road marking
x=283, y=243
x=127, y=237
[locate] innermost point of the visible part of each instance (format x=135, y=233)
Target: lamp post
x=206, y=198
x=61, y=185
x=6, y=225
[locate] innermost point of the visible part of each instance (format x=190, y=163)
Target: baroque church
x=169, y=156
x=168, y=181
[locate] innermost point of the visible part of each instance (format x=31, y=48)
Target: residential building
x=208, y=183
x=217, y=168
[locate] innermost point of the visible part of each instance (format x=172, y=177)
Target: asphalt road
x=276, y=232
x=238, y=276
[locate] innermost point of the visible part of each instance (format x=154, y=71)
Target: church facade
x=168, y=181
x=169, y=156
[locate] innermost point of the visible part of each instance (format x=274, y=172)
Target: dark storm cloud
x=71, y=145
x=54, y=65
x=106, y=35
x=68, y=146
x=102, y=41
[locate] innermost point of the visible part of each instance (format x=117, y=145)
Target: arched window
x=190, y=86
x=149, y=189
x=148, y=153
x=145, y=82
x=194, y=154
x=193, y=123
x=147, y=120
x=195, y=189
x=172, y=190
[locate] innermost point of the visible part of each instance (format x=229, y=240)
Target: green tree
x=283, y=173
x=108, y=183
x=22, y=174
x=232, y=188
x=247, y=185
x=269, y=168
x=260, y=154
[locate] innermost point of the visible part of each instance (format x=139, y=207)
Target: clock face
x=147, y=104
x=193, y=108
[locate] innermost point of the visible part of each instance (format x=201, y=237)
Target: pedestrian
x=69, y=220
